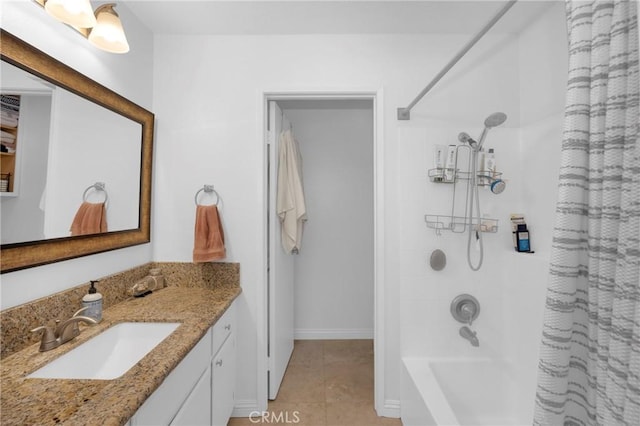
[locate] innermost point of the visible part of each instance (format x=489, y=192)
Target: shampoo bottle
x=450, y=164
x=93, y=302
x=439, y=159
x=522, y=239
x=481, y=172
x=490, y=163
x=440, y=154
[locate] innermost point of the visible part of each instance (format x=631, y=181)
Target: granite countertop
x=110, y=402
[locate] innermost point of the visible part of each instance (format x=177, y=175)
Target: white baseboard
x=332, y=334
x=245, y=408
x=391, y=409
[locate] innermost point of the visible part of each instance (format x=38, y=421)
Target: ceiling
x=330, y=17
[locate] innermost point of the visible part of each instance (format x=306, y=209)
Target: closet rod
x=405, y=113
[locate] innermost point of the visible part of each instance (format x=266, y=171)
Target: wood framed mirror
x=19, y=255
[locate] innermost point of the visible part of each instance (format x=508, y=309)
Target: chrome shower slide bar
x=405, y=113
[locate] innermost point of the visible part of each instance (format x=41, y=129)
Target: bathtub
x=462, y=392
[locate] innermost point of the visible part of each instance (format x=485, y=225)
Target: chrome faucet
x=65, y=331
x=469, y=335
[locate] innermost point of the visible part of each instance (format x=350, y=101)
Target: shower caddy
x=452, y=222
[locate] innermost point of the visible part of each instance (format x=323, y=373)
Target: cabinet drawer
x=222, y=328
x=164, y=403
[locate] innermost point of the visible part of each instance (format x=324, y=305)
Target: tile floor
x=327, y=383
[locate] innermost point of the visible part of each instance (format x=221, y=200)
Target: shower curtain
x=589, y=368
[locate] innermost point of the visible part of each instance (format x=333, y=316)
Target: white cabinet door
x=165, y=402
x=223, y=380
x=196, y=410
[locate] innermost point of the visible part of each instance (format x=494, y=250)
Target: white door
x=280, y=274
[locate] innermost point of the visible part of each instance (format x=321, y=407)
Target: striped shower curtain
x=589, y=369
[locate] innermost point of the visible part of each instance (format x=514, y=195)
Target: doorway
x=330, y=289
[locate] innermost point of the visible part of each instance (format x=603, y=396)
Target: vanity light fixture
x=102, y=28
x=77, y=13
x=108, y=33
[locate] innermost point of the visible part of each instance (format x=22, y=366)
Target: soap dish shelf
x=459, y=224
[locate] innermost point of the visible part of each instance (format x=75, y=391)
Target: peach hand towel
x=209, y=237
x=91, y=218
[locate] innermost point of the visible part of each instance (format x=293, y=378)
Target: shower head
x=465, y=138
x=495, y=119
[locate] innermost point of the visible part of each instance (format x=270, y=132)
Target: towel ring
x=207, y=189
x=98, y=186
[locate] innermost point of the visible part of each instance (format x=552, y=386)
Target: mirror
x=84, y=134
x=57, y=146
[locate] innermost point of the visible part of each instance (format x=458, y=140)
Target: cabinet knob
x=219, y=362
x=227, y=327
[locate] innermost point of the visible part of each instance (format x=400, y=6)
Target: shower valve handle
x=468, y=311
x=465, y=308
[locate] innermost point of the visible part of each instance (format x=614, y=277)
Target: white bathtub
x=462, y=392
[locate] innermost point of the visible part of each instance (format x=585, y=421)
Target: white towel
x=8, y=119
x=290, y=204
x=10, y=137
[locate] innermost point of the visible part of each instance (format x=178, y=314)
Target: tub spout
x=469, y=335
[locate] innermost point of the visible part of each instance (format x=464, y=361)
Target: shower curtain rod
x=405, y=113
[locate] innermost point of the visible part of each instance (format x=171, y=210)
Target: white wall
x=218, y=139
x=128, y=75
x=334, y=287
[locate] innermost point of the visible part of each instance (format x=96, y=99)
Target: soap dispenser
x=93, y=302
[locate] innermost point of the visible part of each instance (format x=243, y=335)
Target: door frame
x=375, y=95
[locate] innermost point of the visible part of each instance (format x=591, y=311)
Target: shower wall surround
x=510, y=286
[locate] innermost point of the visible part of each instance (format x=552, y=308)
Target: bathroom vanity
x=199, y=391
x=188, y=378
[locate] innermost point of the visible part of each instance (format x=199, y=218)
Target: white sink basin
x=108, y=355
